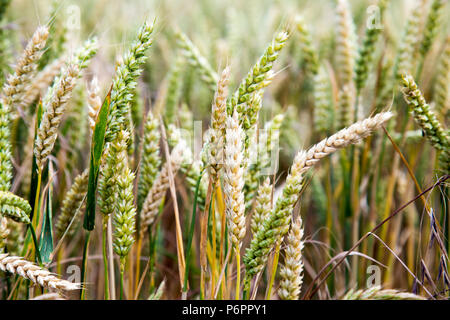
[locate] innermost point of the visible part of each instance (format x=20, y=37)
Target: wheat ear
x=125, y=81
x=54, y=110
x=323, y=103
x=376, y=293
x=72, y=204
x=42, y=81
x=234, y=180
x=14, y=207
x=259, y=76
x=218, y=119
x=345, y=43
x=431, y=26
x=366, y=51
x=277, y=223
x=197, y=60
x=442, y=86
x=18, y=83
x=125, y=215
x=37, y=275
x=309, y=53
x=292, y=270
x=4, y=232
x=406, y=53
x=113, y=167
x=150, y=157
x=263, y=205
x=94, y=102
x=427, y=120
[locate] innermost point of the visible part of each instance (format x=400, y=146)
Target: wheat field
x=224, y=150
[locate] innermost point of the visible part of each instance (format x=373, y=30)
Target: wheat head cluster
x=240, y=150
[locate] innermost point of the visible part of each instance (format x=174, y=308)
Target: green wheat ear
x=14, y=207
x=427, y=120
x=124, y=81
x=259, y=76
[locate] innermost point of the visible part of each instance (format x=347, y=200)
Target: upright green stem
x=238, y=273
x=273, y=271
x=84, y=264
x=122, y=271
x=105, y=256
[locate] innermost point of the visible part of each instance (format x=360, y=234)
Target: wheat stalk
x=442, y=86
x=155, y=195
